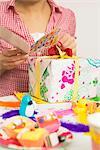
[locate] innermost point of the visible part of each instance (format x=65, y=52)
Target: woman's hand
x=10, y=59
x=67, y=41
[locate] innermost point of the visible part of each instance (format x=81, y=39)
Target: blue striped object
x=94, y=62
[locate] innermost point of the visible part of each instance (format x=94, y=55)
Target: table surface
x=80, y=142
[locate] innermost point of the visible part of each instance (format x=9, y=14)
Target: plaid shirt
x=17, y=79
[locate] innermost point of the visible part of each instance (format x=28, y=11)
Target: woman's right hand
x=10, y=59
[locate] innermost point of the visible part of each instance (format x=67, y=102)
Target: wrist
x=1, y=71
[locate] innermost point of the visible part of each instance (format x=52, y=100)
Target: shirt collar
x=55, y=7
x=11, y=3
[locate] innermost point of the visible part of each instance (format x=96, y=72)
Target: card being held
x=15, y=40
x=46, y=41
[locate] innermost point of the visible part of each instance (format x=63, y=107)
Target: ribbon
x=76, y=81
x=9, y=104
x=38, y=78
x=95, y=136
x=61, y=56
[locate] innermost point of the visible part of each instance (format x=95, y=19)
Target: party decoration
x=52, y=140
x=49, y=121
x=32, y=138
x=27, y=106
x=8, y=142
x=9, y=104
x=14, y=125
x=10, y=114
x=75, y=127
x=47, y=41
x=53, y=51
x=64, y=135
x=19, y=96
x=97, y=98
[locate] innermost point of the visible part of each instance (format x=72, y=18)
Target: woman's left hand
x=67, y=41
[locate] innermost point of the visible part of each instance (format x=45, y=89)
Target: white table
x=80, y=142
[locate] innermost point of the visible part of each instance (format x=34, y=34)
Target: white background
x=88, y=25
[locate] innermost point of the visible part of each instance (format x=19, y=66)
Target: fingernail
x=13, y=49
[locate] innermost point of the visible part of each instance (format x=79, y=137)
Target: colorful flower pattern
x=68, y=76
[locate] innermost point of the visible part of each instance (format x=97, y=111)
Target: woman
x=26, y=18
